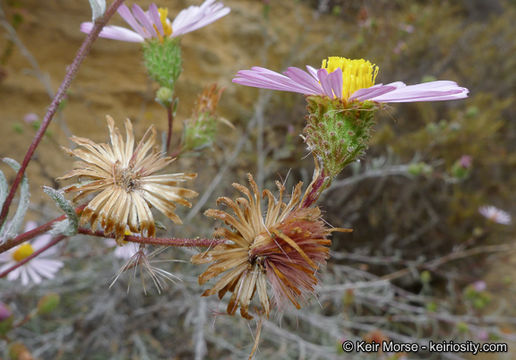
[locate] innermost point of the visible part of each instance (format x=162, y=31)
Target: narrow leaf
x=67, y=207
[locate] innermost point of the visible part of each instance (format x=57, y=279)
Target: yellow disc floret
x=356, y=74
x=23, y=252
x=163, y=16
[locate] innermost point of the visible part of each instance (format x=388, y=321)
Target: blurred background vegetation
x=405, y=273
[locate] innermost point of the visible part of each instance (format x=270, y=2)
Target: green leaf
x=69, y=226
x=13, y=227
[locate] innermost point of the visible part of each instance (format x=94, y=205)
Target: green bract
x=163, y=60
x=338, y=132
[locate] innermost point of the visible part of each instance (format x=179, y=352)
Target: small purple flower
x=494, y=214
x=5, y=313
x=154, y=23
x=479, y=285
x=30, y=118
x=466, y=161
x=350, y=80
x=482, y=335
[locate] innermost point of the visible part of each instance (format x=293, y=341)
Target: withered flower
x=284, y=248
x=121, y=177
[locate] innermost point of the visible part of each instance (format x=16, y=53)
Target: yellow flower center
x=23, y=252
x=163, y=15
x=356, y=74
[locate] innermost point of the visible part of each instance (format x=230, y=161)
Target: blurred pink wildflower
x=349, y=80
x=466, y=161
x=479, y=285
x=494, y=214
x=124, y=251
x=154, y=23
x=36, y=269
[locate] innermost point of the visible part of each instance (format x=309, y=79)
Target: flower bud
x=4, y=312
x=163, y=61
x=48, y=303
x=6, y=319
x=461, y=169
x=201, y=128
x=165, y=96
x=338, y=132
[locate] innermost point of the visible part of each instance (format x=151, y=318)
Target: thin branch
x=170, y=117
x=52, y=109
x=34, y=232
x=430, y=265
x=181, y=242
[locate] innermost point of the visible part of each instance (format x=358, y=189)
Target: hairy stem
x=180, y=242
x=318, y=185
x=34, y=232
x=170, y=116
x=52, y=109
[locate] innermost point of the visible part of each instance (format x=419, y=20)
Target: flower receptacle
x=338, y=132
x=163, y=61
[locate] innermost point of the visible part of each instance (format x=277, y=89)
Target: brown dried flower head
x=122, y=178
x=208, y=100
x=284, y=249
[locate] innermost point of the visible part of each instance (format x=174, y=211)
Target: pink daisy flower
x=349, y=80
x=154, y=23
x=36, y=269
x=494, y=214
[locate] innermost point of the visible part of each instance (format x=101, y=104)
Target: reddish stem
x=317, y=188
x=34, y=232
x=185, y=242
x=33, y=255
x=52, y=109
x=170, y=116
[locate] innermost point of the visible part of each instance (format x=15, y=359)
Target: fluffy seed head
x=121, y=177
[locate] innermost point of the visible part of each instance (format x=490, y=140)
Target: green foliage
x=10, y=229
x=70, y=225
x=163, y=61
x=338, y=132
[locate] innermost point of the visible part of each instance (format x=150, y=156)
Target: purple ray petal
x=142, y=17
x=301, y=77
x=367, y=93
x=128, y=17
x=195, y=17
x=267, y=79
x=431, y=91
x=335, y=79
x=114, y=32
x=322, y=74
x=154, y=15
x=312, y=71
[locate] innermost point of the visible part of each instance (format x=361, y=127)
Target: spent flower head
x=155, y=24
x=201, y=128
x=122, y=178
x=42, y=266
x=283, y=248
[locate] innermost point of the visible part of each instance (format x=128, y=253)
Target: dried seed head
x=122, y=178
x=284, y=248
